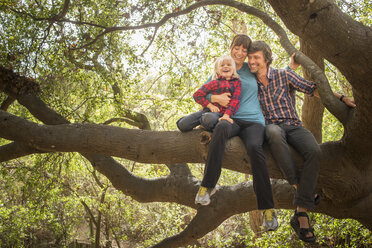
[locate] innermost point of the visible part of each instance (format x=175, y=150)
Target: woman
x=249, y=125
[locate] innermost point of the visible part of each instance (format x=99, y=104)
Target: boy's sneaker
x=270, y=222
x=203, y=196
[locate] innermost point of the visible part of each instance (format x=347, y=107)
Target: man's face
x=256, y=62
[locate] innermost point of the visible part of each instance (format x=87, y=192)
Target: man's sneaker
x=203, y=196
x=270, y=222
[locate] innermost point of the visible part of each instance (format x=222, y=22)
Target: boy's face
x=226, y=69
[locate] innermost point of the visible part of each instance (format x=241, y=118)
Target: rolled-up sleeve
x=300, y=84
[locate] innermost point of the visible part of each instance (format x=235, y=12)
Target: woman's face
x=239, y=54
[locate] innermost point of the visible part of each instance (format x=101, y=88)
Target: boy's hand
x=213, y=108
x=293, y=65
x=227, y=118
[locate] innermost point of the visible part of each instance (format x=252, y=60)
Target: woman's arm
x=222, y=99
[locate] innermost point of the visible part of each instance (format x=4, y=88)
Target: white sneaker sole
x=206, y=203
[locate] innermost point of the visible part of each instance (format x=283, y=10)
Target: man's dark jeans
x=278, y=138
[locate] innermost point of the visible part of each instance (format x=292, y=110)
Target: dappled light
x=90, y=150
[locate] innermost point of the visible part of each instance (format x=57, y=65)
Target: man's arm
x=349, y=101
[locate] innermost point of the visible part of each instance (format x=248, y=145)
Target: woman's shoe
x=203, y=196
x=302, y=232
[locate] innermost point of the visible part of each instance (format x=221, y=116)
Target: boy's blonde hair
x=218, y=63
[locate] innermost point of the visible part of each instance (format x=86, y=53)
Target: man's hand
x=349, y=101
x=227, y=118
x=222, y=99
x=293, y=65
x=213, y=108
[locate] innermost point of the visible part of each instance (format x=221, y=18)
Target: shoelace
x=268, y=215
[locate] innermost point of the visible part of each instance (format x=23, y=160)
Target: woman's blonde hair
x=218, y=63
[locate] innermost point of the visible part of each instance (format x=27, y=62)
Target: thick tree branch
x=101, y=139
x=172, y=147
x=160, y=147
x=16, y=150
x=5, y=104
x=118, y=119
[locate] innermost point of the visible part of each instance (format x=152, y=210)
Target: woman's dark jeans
x=252, y=135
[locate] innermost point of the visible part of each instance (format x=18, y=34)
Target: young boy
x=225, y=79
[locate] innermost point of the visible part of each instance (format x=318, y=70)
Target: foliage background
x=50, y=200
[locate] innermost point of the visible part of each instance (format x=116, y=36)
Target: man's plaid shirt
x=217, y=87
x=278, y=99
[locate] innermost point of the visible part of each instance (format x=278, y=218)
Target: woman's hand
x=222, y=99
x=227, y=118
x=213, y=108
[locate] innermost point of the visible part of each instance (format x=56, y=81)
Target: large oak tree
x=346, y=167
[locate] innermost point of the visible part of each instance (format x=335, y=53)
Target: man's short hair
x=260, y=45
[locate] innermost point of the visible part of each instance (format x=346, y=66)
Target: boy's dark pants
x=204, y=117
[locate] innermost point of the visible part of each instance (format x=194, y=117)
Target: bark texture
x=345, y=172
x=312, y=109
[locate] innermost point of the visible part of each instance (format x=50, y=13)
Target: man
x=276, y=94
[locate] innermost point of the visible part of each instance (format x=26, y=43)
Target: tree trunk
x=255, y=222
x=346, y=166
x=312, y=109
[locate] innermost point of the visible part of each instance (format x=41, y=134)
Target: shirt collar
x=269, y=74
x=222, y=78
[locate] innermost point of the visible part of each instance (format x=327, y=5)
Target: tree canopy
x=103, y=83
